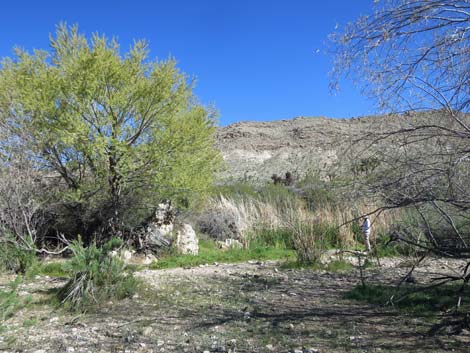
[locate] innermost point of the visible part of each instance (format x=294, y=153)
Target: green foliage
x=209, y=254
x=95, y=276
x=122, y=131
x=16, y=258
x=10, y=301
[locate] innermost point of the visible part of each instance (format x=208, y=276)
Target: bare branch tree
x=413, y=58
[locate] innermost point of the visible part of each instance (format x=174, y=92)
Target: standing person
x=366, y=232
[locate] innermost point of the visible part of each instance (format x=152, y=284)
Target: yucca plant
x=95, y=276
x=10, y=301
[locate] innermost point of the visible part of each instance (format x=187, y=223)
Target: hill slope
x=257, y=150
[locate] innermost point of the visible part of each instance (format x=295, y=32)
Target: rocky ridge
x=257, y=150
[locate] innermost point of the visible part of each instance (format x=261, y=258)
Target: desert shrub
x=95, y=276
x=308, y=243
x=16, y=258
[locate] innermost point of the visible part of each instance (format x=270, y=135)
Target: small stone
x=147, y=331
x=291, y=326
x=70, y=349
x=149, y=259
x=270, y=347
x=126, y=255
x=160, y=343
x=311, y=350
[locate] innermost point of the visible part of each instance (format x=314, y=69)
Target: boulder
x=186, y=240
x=159, y=231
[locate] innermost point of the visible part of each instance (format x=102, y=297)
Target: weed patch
x=52, y=269
x=411, y=299
x=209, y=254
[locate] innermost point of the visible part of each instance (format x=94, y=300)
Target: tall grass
x=278, y=216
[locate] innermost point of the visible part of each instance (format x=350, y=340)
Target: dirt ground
x=248, y=307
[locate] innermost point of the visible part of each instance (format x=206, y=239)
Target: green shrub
x=14, y=257
x=95, y=276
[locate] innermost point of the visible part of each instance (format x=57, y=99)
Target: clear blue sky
x=253, y=59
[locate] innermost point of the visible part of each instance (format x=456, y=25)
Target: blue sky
x=253, y=60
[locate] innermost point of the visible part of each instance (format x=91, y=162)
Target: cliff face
x=257, y=150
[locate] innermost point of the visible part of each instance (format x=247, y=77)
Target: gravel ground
x=247, y=307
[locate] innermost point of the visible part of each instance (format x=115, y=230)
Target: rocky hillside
x=257, y=150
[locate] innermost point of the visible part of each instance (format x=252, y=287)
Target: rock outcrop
x=163, y=232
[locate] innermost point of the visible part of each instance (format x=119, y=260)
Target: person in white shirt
x=366, y=232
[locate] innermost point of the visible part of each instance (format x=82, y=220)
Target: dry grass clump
x=235, y=218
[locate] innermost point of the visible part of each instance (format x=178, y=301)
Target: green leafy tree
x=121, y=131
